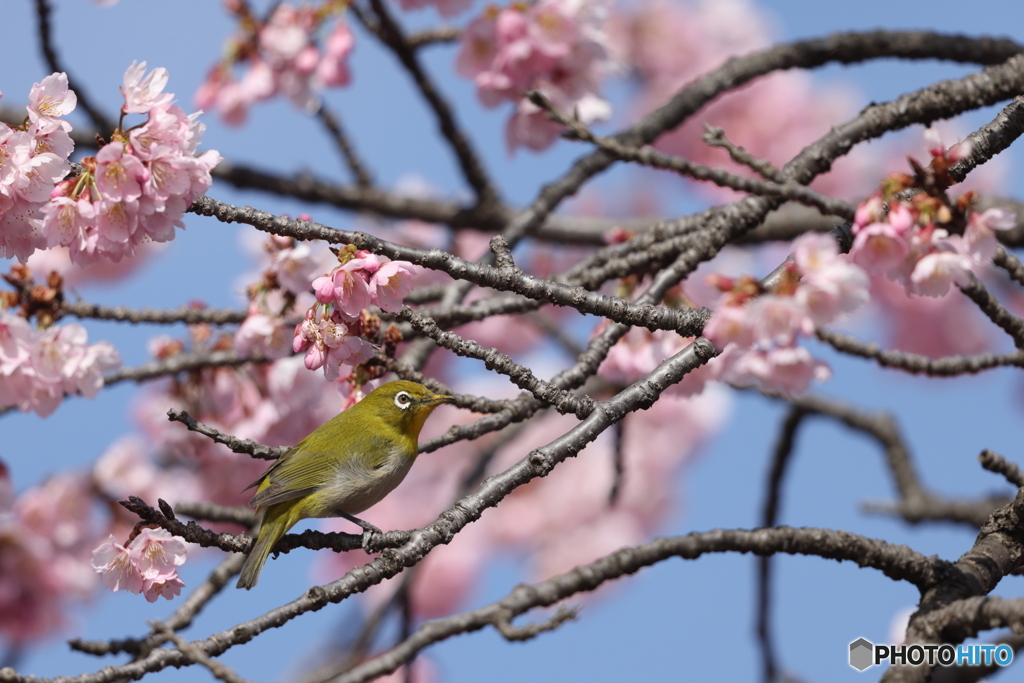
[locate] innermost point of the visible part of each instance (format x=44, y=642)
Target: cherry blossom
x=555, y=46
x=281, y=56
x=113, y=562
x=148, y=565
x=47, y=531
x=331, y=333
x=38, y=368
x=49, y=100
x=135, y=189
x=926, y=241
x=141, y=94
x=33, y=159
x=757, y=333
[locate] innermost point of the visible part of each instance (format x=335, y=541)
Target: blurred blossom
x=929, y=326
x=37, y=368
x=45, y=537
x=281, y=55
x=558, y=47
x=757, y=332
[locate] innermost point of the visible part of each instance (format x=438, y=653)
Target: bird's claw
x=367, y=539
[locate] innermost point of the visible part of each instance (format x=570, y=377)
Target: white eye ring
x=403, y=400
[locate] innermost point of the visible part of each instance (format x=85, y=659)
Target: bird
x=346, y=465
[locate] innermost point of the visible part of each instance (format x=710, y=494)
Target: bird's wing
x=300, y=472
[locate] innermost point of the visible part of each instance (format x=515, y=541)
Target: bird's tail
x=271, y=531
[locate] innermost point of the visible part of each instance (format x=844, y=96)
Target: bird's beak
x=438, y=399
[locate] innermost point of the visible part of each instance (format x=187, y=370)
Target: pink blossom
x=932, y=327
x=286, y=34
x=829, y=284
x=778, y=319
x=148, y=565
x=55, y=142
x=59, y=361
x=15, y=342
x=168, y=173
x=332, y=69
x=901, y=218
x=48, y=101
x=33, y=176
x=792, y=369
x=478, y=48
x=134, y=191
x=323, y=289
x=938, y=148
x=391, y=283
x=870, y=211
x=46, y=533
x=119, y=176
x=640, y=351
x=554, y=46
x=295, y=266
x=936, y=271
x=158, y=554
x=789, y=369
x=263, y=334
x=287, y=61
x=126, y=468
x=351, y=290
x=143, y=94
x=879, y=248
x=730, y=325
x=979, y=239
x=165, y=588
x=20, y=228
x=669, y=44
x=328, y=344
x=116, y=567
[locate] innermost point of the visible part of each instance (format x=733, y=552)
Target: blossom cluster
x=148, y=565
x=45, y=536
x=555, y=46
x=137, y=187
x=283, y=57
x=330, y=333
x=33, y=159
x=37, y=368
x=283, y=288
x=757, y=332
x=926, y=242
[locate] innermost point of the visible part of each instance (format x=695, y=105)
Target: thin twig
x=345, y=147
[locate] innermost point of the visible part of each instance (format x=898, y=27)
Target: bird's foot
x=368, y=530
x=368, y=541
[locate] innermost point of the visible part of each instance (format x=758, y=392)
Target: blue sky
x=692, y=617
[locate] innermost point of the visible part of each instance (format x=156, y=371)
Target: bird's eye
x=402, y=400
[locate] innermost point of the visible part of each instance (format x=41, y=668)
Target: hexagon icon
x=861, y=651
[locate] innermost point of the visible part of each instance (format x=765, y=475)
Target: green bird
x=345, y=466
